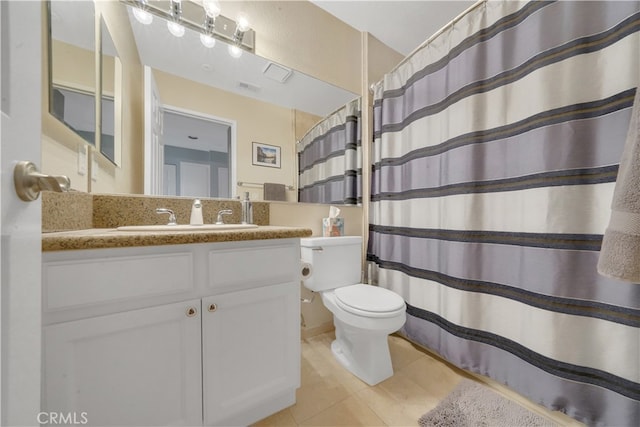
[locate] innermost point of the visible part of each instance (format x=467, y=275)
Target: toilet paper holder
x=308, y=300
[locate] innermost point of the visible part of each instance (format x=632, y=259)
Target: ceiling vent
x=277, y=72
x=249, y=87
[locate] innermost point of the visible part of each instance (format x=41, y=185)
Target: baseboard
x=312, y=332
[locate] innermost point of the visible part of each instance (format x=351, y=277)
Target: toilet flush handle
x=316, y=248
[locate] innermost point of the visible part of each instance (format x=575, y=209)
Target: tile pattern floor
x=331, y=396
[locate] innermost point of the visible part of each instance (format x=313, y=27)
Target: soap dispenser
x=196, y=213
x=247, y=209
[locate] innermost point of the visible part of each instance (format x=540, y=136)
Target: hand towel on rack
x=276, y=192
x=620, y=253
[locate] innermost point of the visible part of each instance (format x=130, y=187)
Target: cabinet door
x=251, y=352
x=141, y=367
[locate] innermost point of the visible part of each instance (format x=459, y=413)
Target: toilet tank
x=335, y=261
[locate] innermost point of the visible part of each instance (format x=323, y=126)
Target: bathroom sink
x=186, y=227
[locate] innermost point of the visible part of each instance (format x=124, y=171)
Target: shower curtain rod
x=327, y=116
x=431, y=38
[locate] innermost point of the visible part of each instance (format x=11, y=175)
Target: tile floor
x=331, y=396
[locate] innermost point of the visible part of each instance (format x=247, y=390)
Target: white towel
x=620, y=253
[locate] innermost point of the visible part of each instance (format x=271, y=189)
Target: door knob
x=29, y=182
x=191, y=311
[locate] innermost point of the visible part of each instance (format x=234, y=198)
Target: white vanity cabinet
x=198, y=334
x=140, y=367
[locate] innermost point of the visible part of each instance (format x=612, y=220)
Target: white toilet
x=363, y=315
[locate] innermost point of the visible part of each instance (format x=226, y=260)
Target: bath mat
x=472, y=405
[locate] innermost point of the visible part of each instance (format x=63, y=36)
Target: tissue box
x=332, y=227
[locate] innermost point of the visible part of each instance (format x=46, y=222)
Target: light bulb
x=175, y=28
x=142, y=16
x=207, y=40
x=211, y=7
x=235, y=51
x=243, y=22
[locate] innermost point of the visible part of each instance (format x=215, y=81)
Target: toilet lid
x=367, y=298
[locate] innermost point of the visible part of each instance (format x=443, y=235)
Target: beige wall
x=304, y=122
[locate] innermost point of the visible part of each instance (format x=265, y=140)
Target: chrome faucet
x=172, y=216
x=220, y=213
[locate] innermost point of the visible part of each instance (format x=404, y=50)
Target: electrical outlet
x=94, y=169
x=82, y=159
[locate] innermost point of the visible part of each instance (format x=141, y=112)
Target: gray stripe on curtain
x=480, y=72
x=331, y=144
x=548, y=179
x=511, y=157
x=597, y=403
x=582, y=111
x=325, y=189
x=567, y=272
x=574, y=307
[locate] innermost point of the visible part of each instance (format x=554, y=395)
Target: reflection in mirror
x=72, y=66
x=108, y=70
x=197, y=151
x=245, y=91
x=330, y=159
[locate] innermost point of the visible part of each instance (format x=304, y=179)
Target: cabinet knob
x=212, y=307
x=191, y=311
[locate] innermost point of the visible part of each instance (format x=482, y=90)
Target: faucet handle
x=222, y=212
x=172, y=216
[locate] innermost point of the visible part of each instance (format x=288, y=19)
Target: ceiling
x=400, y=24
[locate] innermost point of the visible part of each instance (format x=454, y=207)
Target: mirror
x=264, y=100
x=109, y=71
x=194, y=79
x=72, y=72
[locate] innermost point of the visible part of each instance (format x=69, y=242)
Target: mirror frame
x=50, y=83
x=101, y=30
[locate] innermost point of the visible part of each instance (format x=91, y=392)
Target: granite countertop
x=100, y=238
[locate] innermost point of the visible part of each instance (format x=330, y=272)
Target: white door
x=137, y=368
x=195, y=179
x=153, y=129
x=20, y=134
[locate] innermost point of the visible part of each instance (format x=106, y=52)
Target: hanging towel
x=620, y=253
x=277, y=192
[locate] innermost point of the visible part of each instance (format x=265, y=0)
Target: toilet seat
x=369, y=301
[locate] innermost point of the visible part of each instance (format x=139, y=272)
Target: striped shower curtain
x=496, y=148
x=330, y=159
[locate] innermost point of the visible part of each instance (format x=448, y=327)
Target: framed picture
x=266, y=155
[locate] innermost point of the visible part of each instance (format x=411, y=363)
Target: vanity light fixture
x=234, y=51
x=174, y=25
x=242, y=26
x=211, y=8
x=202, y=16
x=141, y=14
x=209, y=26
